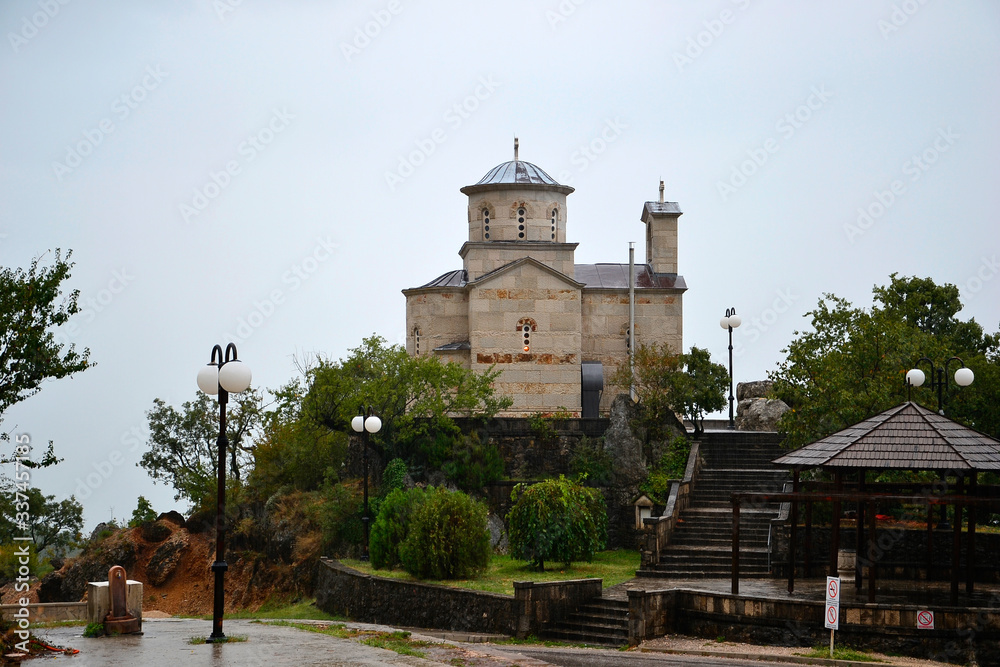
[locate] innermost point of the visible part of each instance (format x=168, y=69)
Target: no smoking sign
x=925, y=620
x=832, y=616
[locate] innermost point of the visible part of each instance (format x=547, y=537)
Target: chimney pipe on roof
x=661, y=183
x=515, y=149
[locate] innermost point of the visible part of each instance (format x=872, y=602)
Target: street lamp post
x=731, y=321
x=915, y=378
x=222, y=376
x=364, y=424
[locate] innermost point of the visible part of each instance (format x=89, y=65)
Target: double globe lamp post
x=364, y=424
x=222, y=376
x=731, y=321
x=963, y=378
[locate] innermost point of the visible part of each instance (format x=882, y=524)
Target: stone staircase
x=701, y=545
x=603, y=622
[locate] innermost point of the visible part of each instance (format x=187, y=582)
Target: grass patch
x=230, y=639
x=398, y=641
x=614, y=567
x=94, y=630
x=58, y=624
x=840, y=653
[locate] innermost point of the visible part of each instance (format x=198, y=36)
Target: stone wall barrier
x=542, y=603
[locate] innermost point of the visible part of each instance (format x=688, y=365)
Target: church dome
x=517, y=171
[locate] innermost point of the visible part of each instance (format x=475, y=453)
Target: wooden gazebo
x=906, y=437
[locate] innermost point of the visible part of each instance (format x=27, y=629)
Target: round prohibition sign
x=831, y=614
x=925, y=619
x=833, y=590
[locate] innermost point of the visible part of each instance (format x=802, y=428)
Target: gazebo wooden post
x=835, y=525
x=792, y=532
x=970, y=537
x=808, y=540
x=930, y=538
x=956, y=542
x=859, y=532
x=872, y=549
x=736, y=547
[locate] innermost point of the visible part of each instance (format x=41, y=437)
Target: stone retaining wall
x=800, y=623
x=48, y=612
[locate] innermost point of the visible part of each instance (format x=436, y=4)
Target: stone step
x=587, y=636
x=711, y=573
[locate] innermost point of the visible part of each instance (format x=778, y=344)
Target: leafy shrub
x=393, y=477
x=340, y=519
x=557, y=519
x=473, y=464
x=588, y=461
x=143, y=513
x=446, y=537
x=672, y=465
x=391, y=525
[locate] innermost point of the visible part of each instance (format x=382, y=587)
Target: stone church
x=556, y=329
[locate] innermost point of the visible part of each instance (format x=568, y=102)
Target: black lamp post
x=731, y=321
x=222, y=376
x=915, y=378
x=364, y=424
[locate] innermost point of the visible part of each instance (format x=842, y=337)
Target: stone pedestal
x=99, y=600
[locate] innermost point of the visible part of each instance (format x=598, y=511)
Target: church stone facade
x=520, y=302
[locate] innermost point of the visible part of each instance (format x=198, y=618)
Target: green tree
x=52, y=525
x=416, y=397
x=852, y=363
x=183, y=450
x=556, y=520
x=143, y=513
x=32, y=305
x=391, y=526
x=667, y=383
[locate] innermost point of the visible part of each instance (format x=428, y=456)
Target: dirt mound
x=175, y=571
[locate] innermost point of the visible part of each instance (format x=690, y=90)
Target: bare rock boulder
x=759, y=414
x=166, y=557
x=756, y=389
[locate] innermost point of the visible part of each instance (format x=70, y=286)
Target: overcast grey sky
x=278, y=171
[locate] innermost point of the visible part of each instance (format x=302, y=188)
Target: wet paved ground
x=892, y=592
x=165, y=643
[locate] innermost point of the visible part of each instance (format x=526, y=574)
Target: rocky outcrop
x=756, y=389
x=628, y=463
x=70, y=583
x=759, y=414
x=166, y=557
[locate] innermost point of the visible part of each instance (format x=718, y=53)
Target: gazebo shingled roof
x=906, y=437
